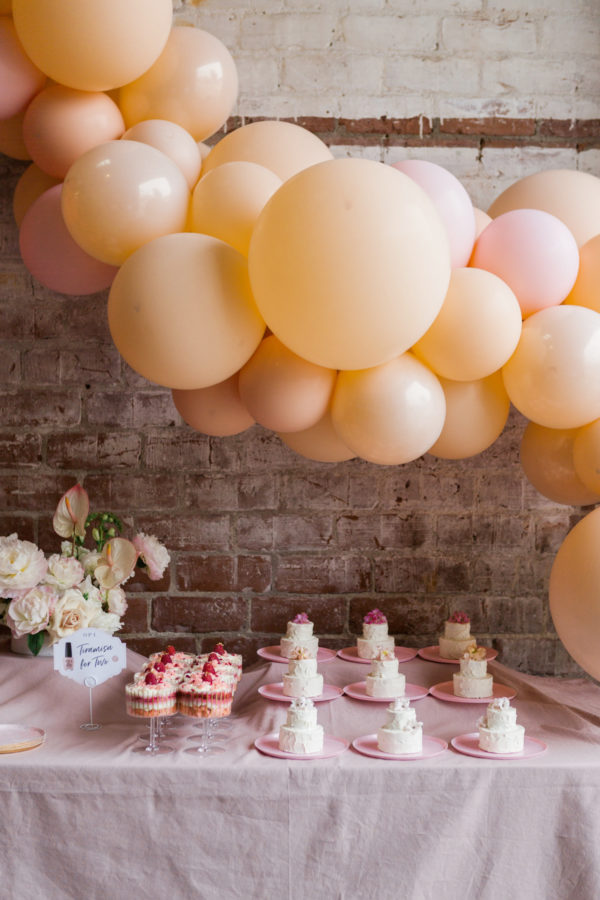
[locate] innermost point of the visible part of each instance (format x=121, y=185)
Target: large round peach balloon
x=586, y=290
x=20, y=79
x=389, y=414
x=172, y=140
x=476, y=330
x=91, y=45
x=553, y=377
x=451, y=201
x=120, y=195
x=570, y=195
x=586, y=455
x=574, y=595
x=193, y=83
x=476, y=413
x=61, y=123
x=11, y=137
x=32, y=183
x=321, y=442
x=52, y=256
x=216, y=410
x=548, y=463
x=281, y=390
x=349, y=263
x=181, y=312
x=228, y=200
x=282, y=147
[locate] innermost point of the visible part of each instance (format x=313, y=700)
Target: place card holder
x=90, y=657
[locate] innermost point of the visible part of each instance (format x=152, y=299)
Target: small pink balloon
x=52, y=256
x=20, y=79
x=451, y=201
x=534, y=253
x=216, y=410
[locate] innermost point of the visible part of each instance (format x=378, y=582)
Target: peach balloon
x=476, y=330
x=52, y=256
x=181, y=312
x=93, y=46
x=586, y=455
x=172, y=140
x=573, y=593
x=570, y=195
x=5, y=7
x=586, y=290
x=282, y=147
x=120, y=195
x=321, y=442
x=20, y=78
x=534, y=253
x=553, y=377
x=11, y=137
x=389, y=414
x=547, y=458
x=451, y=201
x=216, y=410
x=32, y=183
x=61, y=123
x=349, y=263
x=482, y=220
x=476, y=413
x=193, y=83
x=281, y=390
x=228, y=200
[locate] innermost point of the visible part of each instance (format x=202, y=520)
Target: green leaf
x=35, y=642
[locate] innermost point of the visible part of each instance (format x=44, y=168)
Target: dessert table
x=86, y=814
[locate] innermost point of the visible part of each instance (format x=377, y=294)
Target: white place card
x=89, y=656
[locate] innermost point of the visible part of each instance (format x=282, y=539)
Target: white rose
x=116, y=600
x=31, y=613
x=105, y=620
x=63, y=571
x=22, y=566
x=71, y=613
x=91, y=593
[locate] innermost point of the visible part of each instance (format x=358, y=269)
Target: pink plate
x=358, y=690
x=15, y=738
x=445, y=691
x=269, y=744
x=367, y=745
x=275, y=692
x=403, y=654
x=272, y=653
x=433, y=655
x=469, y=745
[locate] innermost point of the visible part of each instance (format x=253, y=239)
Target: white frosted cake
x=473, y=679
x=384, y=679
x=498, y=729
x=302, y=678
x=401, y=733
x=456, y=638
x=301, y=733
x=299, y=635
x=375, y=636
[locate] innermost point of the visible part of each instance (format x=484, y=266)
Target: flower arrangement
x=301, y=619
x=478, y=653
x=375, y=617
x=50, y=598
x=461, y=618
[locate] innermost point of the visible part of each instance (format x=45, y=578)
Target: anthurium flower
x=71, y=512
x=116, y=563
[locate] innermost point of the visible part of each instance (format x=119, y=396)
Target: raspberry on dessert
x=152, y=678
x=166, y=659
x=219, y=648
x=159, y=667
x=208, y=676
x=171, y=650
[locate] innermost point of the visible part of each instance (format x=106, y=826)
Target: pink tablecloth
x=85, y=817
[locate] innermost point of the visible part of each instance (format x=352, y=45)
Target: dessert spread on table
x=375, y=636
x=473, y=680
x=456, y=638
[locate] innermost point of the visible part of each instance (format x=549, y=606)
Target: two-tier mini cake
x=456, y=638
x=384, y=679
x=299, y=635
x=473, y=679
x=301, y=733
x=151, y=696
x=498, y=729
x=401, y=733
x=375, y=636
x=302, y=678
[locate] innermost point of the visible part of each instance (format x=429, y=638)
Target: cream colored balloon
x=32, y=183
x=282, y=147
x=389, y=414
x=181, y=312
x=227, y=201
x=216, y=410
x=349, y=263
x=172, y=140
x=477, y=329
x=547, y=458
x=586, y=290
x=476, y=413
x=586, y=455
x=321, y=442
x=482, y=220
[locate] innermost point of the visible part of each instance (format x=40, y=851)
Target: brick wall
x=257, y=533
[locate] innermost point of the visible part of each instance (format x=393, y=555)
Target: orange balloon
x=548, y=463
x=216, y=410
x=172, y=140
x=193, y=83
x=586, y=290
x=476, y=413
x=11, y=137
x=19, y=77
x=32, y=184
x=321, y=442
x=282, y=391
x=586, y=455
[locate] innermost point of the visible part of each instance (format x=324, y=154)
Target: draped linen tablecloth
x=83, y=816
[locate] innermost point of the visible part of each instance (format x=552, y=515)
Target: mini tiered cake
x=498, y=730
x=384, y=679
x=301, y=732
x=473, y=679
x=302, y=678
x=299, y=635
x=401, y=733
x=375, y=636
x=456, y=638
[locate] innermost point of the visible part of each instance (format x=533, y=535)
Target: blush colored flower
x=107, y=621
x=71, y=513
x=461, y=618
x=301, y=619
x=375, y=617
x=70, y=613
x=22, y=566
x=116, y=564
x=153, y=554
x=30, y=613
x=63, y=571
x=117, y=603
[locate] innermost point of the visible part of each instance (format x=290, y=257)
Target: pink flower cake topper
x=301, y=619
x=375, y=617
x=460, y=617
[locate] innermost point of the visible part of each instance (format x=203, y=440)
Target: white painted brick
x=257, y=75
x=486, y=107
x=223, y=25
x=565, y=35
x=436, y=75
x=287, y=104
x=539, y=7
x=472, y=37
x=589, y=161
x=355, y=151
x=531, y=76
x=310, y=31
x=332, y=72
x=391, y=33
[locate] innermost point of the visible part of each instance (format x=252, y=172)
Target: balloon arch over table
x=352, y=307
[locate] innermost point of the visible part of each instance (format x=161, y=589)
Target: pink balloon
x=451, y=201
x=216, y=410
x=534, y=253
x=20, y=79
x=52, y=256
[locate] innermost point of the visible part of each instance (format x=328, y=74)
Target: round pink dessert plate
x=273, y=654
x=445, y=691
x=358, y=691
x=15, y=738
x=275, y=692
x=350, y=654
x=269, y=744
x=433, y=655
x=367, y=745
x=469, y=745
